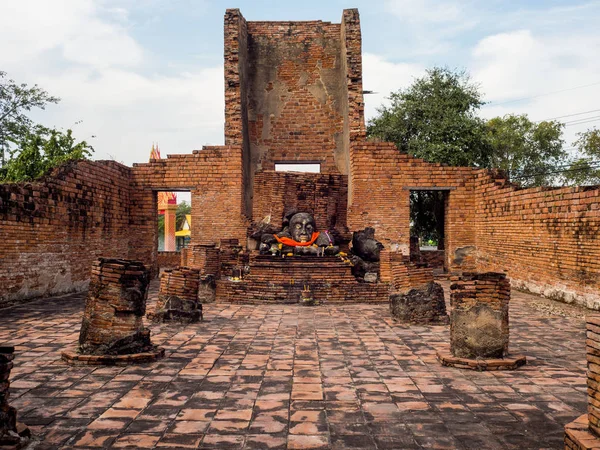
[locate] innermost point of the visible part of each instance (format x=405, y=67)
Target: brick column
x=204, y=257
x=114, y=309
x=584, y=432
x=592, y=345
x=479, y=321
x=11, y=436
x=179, y=296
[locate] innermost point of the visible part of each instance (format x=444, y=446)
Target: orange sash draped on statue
x=292, y=243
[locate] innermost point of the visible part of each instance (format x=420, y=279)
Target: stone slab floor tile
x=289, y=377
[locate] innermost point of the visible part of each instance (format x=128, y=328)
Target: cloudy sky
x=134, y=72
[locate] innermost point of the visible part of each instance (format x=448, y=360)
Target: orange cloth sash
x=292, y=243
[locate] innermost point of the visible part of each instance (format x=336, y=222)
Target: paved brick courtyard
x=277, y=377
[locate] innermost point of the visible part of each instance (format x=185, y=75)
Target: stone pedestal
x=112, y=326
x=12, y=435
x=421, y=305
x=584, y=432
x=479, y=323
x=182, y=292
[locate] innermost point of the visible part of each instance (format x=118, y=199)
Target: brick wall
x=52, y=230
x=352, y=65
x=236, y=94
x=379, y=188
x=295, y=93
x=546, y=239
x=214, y=177
x=407, y=275
x=325, y=196
x=168, y=260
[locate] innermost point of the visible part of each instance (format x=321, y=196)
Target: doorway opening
x=428, y=227
x=174, y=223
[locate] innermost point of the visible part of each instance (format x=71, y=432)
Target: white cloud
x=383, y=77
x=82, y=52
x=523, y=72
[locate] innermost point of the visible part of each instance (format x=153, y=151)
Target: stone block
x=422, y=305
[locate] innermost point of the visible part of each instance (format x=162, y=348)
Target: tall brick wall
x=379, y=189
x=546, y=239
x=325, y=196
x=236, y=95
x=214, y=177
x=352, y=71
x=295, y=93
x=52, y=230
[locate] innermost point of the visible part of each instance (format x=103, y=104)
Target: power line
x=582, y=119
x=542, y=95
x=577, y=169
x=568, y=115
x=582, y=123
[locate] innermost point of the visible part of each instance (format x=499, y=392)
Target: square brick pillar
x=584, y=432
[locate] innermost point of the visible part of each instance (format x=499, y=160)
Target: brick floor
x=276, y=377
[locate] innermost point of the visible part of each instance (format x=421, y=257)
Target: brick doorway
x=428, y=231
x=173, y=226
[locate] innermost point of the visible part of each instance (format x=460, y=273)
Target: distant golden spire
x=155, y=153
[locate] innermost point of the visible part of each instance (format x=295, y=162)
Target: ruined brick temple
x=294, y=94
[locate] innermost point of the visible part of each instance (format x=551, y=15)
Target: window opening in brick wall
x=312, y=167
x=428, y=226
x=174, y=221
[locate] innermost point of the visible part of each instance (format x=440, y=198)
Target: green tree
x=436, y=119
x=39, y=149
x=585, y=170
x=28, y=150
x=15, y=101
x=529, y=153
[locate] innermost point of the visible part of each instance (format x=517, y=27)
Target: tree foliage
x=28, y=150
x=40, y=149
x=528, y=153
x=427, y=216
x=15, y=101
x=585, y=170
x=435, y=119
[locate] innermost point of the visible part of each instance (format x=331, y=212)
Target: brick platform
x=73, y=357
x=281, y=280
x=506, y=363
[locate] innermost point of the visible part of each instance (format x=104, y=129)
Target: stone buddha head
x=302, y=226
